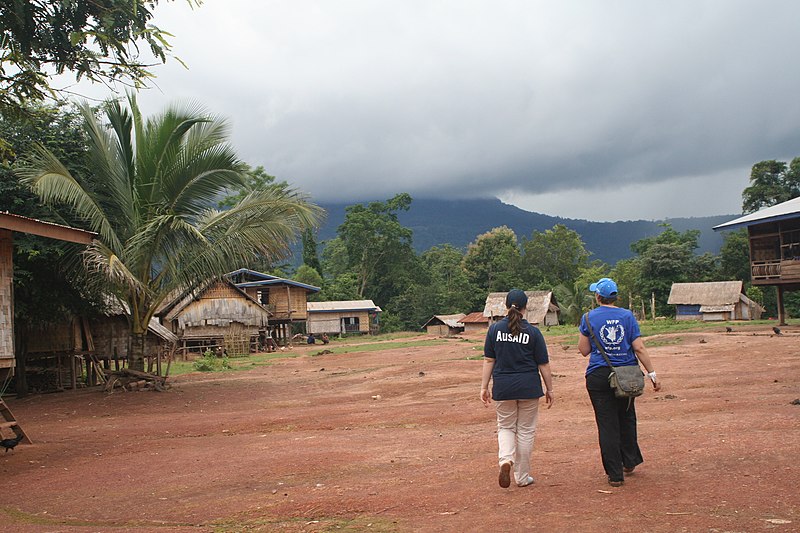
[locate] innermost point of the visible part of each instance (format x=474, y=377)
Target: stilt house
x=774, y=235
x=217, y=315
x=285, y=299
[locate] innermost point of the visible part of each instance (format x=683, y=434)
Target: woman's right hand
x=486, y=397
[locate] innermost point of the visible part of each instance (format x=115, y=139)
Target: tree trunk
x=136, y=352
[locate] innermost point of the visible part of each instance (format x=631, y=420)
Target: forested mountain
x=458, y=222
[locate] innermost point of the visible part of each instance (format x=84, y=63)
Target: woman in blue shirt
x=515, y=355
x=617, y=330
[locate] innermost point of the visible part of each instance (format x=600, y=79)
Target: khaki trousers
x=516, y=428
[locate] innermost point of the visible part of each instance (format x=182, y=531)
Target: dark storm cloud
x=523, y=100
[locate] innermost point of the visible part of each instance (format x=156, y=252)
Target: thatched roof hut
x=445, y=325
x=713, y=300
x=542, y=307
x=214, y=312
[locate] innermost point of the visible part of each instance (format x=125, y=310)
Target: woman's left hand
x=549, y=398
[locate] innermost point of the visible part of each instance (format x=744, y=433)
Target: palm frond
x=54, y=184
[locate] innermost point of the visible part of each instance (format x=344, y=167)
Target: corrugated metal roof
x=475, y=318
x=710, y=293
x=782, y=211
x=344, y=305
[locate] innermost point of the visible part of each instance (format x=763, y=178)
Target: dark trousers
x=616, y=425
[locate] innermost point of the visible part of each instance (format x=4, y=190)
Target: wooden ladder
x=7, y=421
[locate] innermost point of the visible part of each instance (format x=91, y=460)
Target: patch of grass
x=389, y=345
x=240, y=363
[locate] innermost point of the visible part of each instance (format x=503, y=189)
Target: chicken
x=10, y=444
x=777, y=330
x=728, y=329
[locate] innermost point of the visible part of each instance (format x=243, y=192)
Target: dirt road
x=397, y=440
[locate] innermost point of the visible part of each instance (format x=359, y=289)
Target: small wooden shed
x=343, y=317
x=475, y=323
x=445, y=325
x=220, y=314
x=713, y=301
x=542, y=307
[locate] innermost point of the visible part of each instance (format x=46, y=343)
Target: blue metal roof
x=253, y=273
x=278, y=281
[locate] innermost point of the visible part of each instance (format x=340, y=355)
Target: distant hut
x=475, y=323
x=285, y=299
x=219, y=314
x=542, y=307
x=713, y=301
x=343, y=317
x=774, y=234
x=445, y=325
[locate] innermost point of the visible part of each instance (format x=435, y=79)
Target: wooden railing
x=765, y=270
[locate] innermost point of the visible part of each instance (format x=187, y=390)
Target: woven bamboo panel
x=6, y=296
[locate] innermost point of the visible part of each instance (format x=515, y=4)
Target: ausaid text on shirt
x=522, y=338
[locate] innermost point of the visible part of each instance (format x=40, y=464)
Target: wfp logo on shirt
x=522, y=338
x=612, y=334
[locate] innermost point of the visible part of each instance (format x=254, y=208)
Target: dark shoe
x=628, y=470
x=505, y=475
x=615, y=483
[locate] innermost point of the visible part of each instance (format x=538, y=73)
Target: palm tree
x=573, y=300
x=149, y=192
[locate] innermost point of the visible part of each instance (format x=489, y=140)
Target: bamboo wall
x=288, y=303
x=6, y=300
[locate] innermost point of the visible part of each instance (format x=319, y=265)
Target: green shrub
x=211, y=363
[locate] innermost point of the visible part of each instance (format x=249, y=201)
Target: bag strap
x=596, y=343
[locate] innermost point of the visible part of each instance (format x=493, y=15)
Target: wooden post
x=653, y=305
x=644, y=314
x=781, y=310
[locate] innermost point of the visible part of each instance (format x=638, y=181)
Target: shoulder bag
x=627, y=381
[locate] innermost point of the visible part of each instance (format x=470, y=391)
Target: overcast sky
x=602, y=110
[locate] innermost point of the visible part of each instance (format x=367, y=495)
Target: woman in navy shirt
x=617, y=330
x=515, y=355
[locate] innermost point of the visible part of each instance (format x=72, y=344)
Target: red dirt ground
x=397, y=440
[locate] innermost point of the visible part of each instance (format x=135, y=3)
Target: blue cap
x=516, y=298
x=605, y=287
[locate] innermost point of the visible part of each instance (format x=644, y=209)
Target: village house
x=542, y=309
x=713, y=301
x=343, y=317
x=445, y=325
x=285, y=299
x=774, y=235
x=218, y=314
x=475, y=323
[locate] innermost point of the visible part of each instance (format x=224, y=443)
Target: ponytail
x=514, y=320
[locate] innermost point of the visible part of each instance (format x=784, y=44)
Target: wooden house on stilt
x=774, y=236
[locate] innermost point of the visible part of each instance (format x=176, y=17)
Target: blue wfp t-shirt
x=515, y=375
x=616, y=328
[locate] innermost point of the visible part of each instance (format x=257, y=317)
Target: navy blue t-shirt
x=515, y=375
x=616, y=328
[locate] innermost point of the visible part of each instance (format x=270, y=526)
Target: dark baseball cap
x=516, y=298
